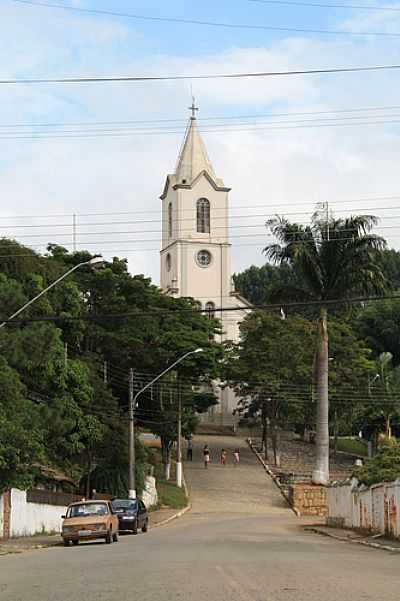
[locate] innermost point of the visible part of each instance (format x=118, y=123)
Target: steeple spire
x=193, y=158
x=193, y=108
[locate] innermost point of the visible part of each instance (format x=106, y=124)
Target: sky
x=102, y=151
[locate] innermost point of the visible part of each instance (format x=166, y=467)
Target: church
x=196, y=252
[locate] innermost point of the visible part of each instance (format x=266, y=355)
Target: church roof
x=193, y=158
x=193, y=161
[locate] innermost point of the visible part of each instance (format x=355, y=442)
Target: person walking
x=206, y=455
x=222, y=458
x=189, y=450
x=236, y=456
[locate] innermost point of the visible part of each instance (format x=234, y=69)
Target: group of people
x=222, y=458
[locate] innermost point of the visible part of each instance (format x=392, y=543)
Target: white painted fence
x=375, y=508
x=28, y=518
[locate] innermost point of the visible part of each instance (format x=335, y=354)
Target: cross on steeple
x=193, y=108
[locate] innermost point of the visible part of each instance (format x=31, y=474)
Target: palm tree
x=335, y=259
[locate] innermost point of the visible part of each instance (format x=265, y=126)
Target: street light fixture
x=93, y=261
x=132, y=406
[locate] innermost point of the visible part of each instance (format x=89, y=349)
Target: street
x=240, y=542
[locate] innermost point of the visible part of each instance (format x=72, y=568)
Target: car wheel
x=135, y=527
x=145, y=526
x=66, y=543
x=109, y=537
x=75, y=542
x=115, y=537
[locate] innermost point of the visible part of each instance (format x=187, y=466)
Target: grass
x=355, y=446
x=169, y=495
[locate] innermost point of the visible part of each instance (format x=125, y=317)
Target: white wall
x=376, y=508
x=149, y=494
x=32, y=518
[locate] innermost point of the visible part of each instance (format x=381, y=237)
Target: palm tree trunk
x=321, y=472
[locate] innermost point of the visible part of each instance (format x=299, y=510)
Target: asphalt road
x=239, y=543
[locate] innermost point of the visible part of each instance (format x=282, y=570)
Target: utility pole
x=105, y=374
x=179, y=440
x=131, y=484
x=66, y=354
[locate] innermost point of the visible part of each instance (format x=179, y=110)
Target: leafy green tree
x=257, y=284
x=383, y=467
x=21, y=437
x=334, y=259
x=379, y=325
x=83, y=419
x=270, y=369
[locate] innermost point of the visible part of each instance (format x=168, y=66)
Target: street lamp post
x=93, y=261
x=132, y=407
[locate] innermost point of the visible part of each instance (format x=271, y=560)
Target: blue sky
x=282, y=168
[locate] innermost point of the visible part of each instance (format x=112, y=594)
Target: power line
x=176, y=311
x=243, y=122
x=183, y=231
x=311, y=124
x=322, y=5
x=158, y=19
x=183, y=121
x=122, y=79
x=245, y=206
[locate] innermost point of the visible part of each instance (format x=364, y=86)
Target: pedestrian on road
x=222, y=458
x=189, y=450
x=206, y=455
x=236, y=456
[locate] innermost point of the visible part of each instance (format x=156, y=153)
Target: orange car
x=89, y=520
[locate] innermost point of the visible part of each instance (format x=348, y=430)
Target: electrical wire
x=221, y=127
x=277, y=204
x=124, y=134
x=372, y=7
x=181, y=21
x=177, y=311
x=203, y=118
x=244, y=75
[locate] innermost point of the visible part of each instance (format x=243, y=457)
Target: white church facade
x=195, y=253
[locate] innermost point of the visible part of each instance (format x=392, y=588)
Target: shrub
x=384, y=467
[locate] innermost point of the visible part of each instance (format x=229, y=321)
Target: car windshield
x=124, y=504
x=77, y=511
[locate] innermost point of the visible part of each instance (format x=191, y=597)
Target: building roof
x=193, y=158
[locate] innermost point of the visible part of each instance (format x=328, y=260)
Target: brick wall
x=308, y=499
x=6, y=514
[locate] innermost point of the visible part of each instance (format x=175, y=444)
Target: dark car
x=132, y=515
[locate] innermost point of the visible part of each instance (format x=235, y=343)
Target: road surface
x=239, y=543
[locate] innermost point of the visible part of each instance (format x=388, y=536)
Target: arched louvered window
x=210, y=308
x=170, y=220
x=203, y=216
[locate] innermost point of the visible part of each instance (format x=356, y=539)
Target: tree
x=21, y=437
x=257, y=283
x=270, y=369
x=379, y=325
x=335, y=260
x=83, y=420
x=384, y=467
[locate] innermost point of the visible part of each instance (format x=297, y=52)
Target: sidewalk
x=352, y=536
x=28, y=543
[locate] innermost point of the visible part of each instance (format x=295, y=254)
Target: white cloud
x=268, y=167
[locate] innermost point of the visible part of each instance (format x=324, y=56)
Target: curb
x=177, y=515
x=271, y=475
x=347, y=539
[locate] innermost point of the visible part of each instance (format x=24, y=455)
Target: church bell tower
x=195, y=255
